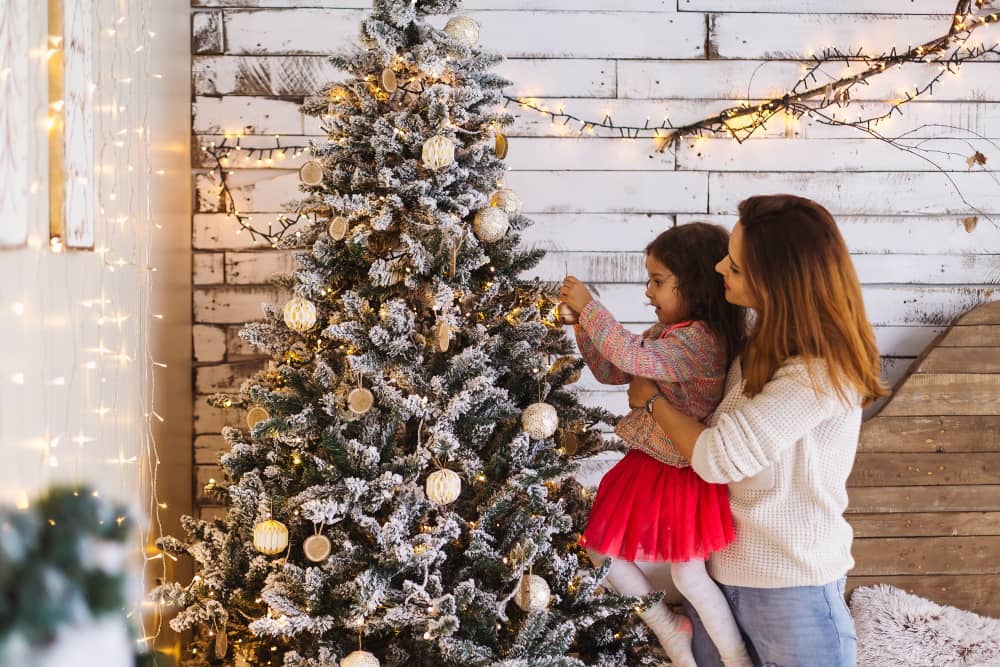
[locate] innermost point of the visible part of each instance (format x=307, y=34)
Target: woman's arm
x=745, y=441
x=682, y=430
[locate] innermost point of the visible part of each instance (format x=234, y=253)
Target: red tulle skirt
x=646, y=510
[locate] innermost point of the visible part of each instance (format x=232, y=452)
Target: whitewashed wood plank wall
x=921, y=261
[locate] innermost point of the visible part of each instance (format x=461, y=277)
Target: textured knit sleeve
x=604, y=371
x=746, y=440
x=683, y=354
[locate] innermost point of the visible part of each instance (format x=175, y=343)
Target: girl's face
x=731, y=268
x=662, y=292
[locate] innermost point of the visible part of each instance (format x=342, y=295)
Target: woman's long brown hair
x=807, y=294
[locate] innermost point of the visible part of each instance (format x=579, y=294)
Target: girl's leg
x=693, y=582
x=673, y=630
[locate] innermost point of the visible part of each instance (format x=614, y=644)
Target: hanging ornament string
x=822, y=102
x=807, y=96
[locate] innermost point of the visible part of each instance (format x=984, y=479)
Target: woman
x=785, y=434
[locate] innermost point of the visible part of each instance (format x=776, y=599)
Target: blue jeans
x=803, y=626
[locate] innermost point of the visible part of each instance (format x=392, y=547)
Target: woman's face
x=662, y=292
x=731, y=268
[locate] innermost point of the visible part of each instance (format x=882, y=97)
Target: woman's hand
x=641, y=390
x=574, y=294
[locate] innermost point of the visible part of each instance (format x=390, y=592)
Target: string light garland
x=806, y=97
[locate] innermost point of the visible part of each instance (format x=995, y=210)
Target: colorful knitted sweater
x=687, y=361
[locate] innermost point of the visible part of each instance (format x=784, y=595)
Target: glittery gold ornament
x=507, y=200
x=360, y=401
x=463, y=29
x=317, y=548
x=270, y=537
x=540, y=420
x=561, y=364
x=438, y=152
x=567, y=315
x=300, y=314
x=490, y=224
x=311, y=173
x=337, y=229
x=532, y=593
x=255, y=415
x=443, y=486
x=360, y=659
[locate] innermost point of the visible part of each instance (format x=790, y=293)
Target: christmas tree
x=406, y=483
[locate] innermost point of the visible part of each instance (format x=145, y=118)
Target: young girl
x=652, y=506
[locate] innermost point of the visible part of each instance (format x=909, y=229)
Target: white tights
x=674, y=631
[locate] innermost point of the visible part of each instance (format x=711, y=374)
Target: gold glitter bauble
x=463, y=29
x=532, y=593
x=443, y=486
x=490, y=224
x=270, y=537
x=540, y=420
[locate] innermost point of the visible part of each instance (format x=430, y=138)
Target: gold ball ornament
x=360, y=401
x=562, y=363
x=270, y=537
x=490, y=224
x=360, y=659
x=507, y=200
x=311, y=173
x=300, y=314
x=567, y=315
x=540, y=420
x=337, y=229
x=317, y=548
x=256, y=415
x=438, y=152
x=532, y=593
x=443, y=486
x=463, y=29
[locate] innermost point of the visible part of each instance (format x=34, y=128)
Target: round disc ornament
x=311, y=173
x=317, y=548
x=540, y=420
x=501, y=145
x=360, y=401
x=388, y=80
x=256, y=415
x=337, y=229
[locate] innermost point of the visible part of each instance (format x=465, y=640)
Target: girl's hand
x=641, y=390
x=574, y=294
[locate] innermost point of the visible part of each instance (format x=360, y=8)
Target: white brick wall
x=685, y=59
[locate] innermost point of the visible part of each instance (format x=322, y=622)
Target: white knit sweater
x=786, y=454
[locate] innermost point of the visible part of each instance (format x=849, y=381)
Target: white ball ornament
x=507, y=200
x=360, y=659
x=540, y=420
x=270, y=537
x=438, y=152
x=532, y=593
x=490, y=224
x=300, y=314
x=443, y=486
x=463, y=29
